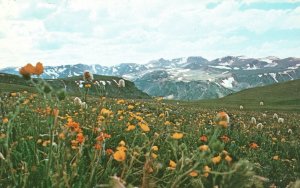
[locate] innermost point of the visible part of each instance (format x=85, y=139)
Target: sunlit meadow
x=51, y=139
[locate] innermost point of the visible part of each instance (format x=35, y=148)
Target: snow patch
x=169, y=97
x=295, y=67
x=273, y=76
x=228, y=83
x=221, y=67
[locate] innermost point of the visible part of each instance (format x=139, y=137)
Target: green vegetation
x=10, y=82
x=282, y=96
x=48, y=141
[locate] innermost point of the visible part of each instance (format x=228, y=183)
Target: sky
x=110, y=32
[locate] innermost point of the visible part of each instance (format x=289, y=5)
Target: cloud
x=111, y=32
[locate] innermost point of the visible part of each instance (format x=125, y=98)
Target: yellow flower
x=203, y=148
x=177, y=136
x=153, y=155
x=120, y=156
x=122, y=143
x=154, y=148
x=167, y=123
x=144, y=127
x=193, y=173
x=172, y=164
x=223, y=124
x=228, y=158
x=216, y=160
x=130, y=107
x=130, y=127
x=13, y=94
x=121, y=101
x=206, y=170
x=5, y=120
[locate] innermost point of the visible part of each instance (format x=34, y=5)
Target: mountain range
x=190, y=78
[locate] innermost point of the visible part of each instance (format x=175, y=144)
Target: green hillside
x=281, y=96
x=10, y=83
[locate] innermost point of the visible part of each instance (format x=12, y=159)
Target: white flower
x=87, y=76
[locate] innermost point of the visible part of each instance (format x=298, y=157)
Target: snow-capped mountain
x=191, y=78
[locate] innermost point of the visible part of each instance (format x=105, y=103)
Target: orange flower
x=253, y=145
x=29, y=69
x=130, y=127
x=203, y=148
x=97, y=146
x=153, y=155
x=223, y=124
x=154, y=148
x=225, y=138
x=206, y=170
x=5, y=120
x=193, y=173
x=172, y=165
x=109, y=151
x=228, y=158
x=144, y=127
x=203, y=138
x=39, y=69
x=216, y=160
x=177, y=136
x=80, y=137
x=222, y=119
x=61, y=136
x=120, y=156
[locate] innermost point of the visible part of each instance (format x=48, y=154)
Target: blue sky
x=110, y=32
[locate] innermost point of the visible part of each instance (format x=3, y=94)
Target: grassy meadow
x=47, y=140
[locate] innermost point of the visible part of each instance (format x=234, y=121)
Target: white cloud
x=111, y=31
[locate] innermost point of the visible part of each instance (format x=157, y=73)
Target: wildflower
x=144, y=127
x=154, y=148
x=29, y=70
x=223, y=116
x=203, y=138
x=62, y=136
x=121, y=83
x=203, y=148
x=216, y=160
x=228, y=158
x=87, y=85
x=177, y=136
x=276, y=157
x=39, y=68
x=223, y=124
x=13, y=94
x=5, y=120
x=153, y=155
x=122, y=143
x=80, y=137
x=167, y=123
x=87, y=76
x=130, y=127
x=225, y=138
x=253, y=145
x=130, y=107
x=206, y=170
x=121, y=101
x=193, y=173
x=109, y=151
x=97, y=146
x=45, y=143
x=172, y=165
x=119, y=155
